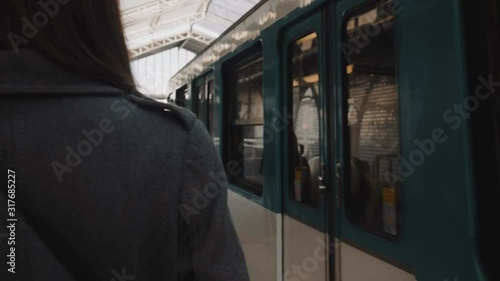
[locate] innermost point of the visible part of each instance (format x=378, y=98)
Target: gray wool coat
x=107, y=185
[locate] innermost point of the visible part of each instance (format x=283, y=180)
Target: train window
x=304, y=130
x=246, y=126
x=181, y=96
x=371, y=194
x=210, y=104
x=201, y=103
x=204, y=95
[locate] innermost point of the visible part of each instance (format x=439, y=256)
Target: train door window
x=204, y=95
x=304, y=130
x=210, y=104
x=245, y=130
x=201, y=103
x=372, y=189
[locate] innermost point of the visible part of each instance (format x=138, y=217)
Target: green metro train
x=361, y=138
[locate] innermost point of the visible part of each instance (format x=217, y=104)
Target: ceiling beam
x=167, y=42
x=149, y=10
x=173, y=22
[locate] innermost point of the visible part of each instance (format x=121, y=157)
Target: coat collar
x=29, y=72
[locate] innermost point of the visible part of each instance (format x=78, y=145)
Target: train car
x=360, y=138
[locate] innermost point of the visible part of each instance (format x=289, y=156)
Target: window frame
x=346, y=183
x=289, y=90
x=239, y=62
x=200, y=103
x=314, y=217
x=210, y=103
x=203, y=81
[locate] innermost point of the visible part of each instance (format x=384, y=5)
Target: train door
x=305, y=254
x=249, y=153
x=368, y=212
x=203, y=98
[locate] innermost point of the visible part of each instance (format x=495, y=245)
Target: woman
x=104, y=184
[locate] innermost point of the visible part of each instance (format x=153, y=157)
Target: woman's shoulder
x=182, y=115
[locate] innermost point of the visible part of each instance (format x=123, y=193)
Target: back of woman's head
x=85, y=36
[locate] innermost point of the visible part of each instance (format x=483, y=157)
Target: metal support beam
x=149, y=10
x=164, y=43
x=161, y=24
x=165, y=25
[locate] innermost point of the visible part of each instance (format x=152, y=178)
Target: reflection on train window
x=246, y=130
x=372, y=190
x=201, y=102
x=204, y=95
x=210, y=104
x=304, y=130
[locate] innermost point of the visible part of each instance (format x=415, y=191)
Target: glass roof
x=158, y=25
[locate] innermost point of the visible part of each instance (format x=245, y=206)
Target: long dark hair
x=85, y=36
